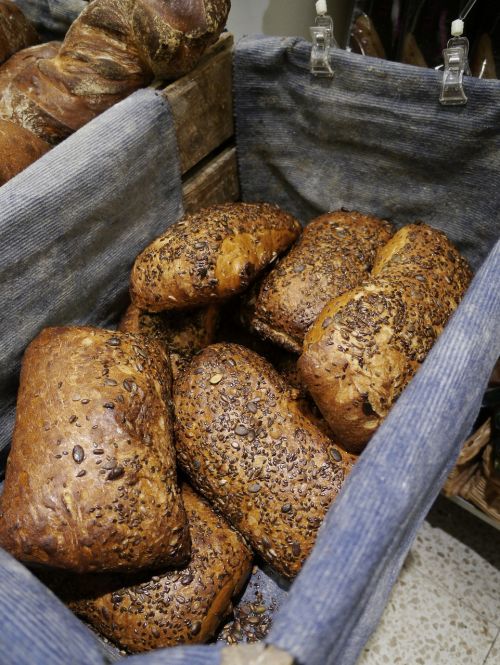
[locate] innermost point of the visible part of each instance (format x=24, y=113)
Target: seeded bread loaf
x=210, y=255
x=334, y=254
x=91, y=478
x=243, y=441
x=174, y=607
x=368, y=343
x=182, y=333
x=16, y=32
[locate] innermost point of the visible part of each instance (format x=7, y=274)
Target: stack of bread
x=263, y=440
x=48, y=91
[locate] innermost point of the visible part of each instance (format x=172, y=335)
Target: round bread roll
x=247, y=447
x=367, y=344
x=91, y=478
x=182, y=333
x=173, y=607
x=334, y=254
x=23, y=149
x=210, y=255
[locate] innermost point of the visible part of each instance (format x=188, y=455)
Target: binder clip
x=323, y=40
x=456, y=65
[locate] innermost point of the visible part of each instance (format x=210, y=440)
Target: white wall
x=284, y=17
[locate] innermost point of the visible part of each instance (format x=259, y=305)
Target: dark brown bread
x=334, y=254
x=175, y=607
x=210, y=255
x=113, y=48
x=182, y=333
x=368, y=343
x=247, y=447
x=91, y=479
x=18, y=149
x=16, y=32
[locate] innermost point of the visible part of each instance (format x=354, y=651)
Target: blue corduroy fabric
x=73, y=222
x=52, y=17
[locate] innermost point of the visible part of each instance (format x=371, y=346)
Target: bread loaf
x=91, y=479
x=334, y=254
x=246, y=446
x=113, y=48
x=182, y=333
x=368, y=343
x=22, y=148
x=210, y=255
x=184, y=606
x=16, y=32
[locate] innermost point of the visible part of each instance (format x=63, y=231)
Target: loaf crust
x=16, y=32
x=334, y=254
x=175, y=607
x=210, y=255
x=18, y=149
x=247, y=447
x=91, y=479
x=182, y=333
x=113, y=48
x=368, y=343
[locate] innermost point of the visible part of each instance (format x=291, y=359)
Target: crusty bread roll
x=16, y=32
x=210, y=255
x=22, y=148
x=182, y=333
x=368, y=343
x=174, y=607
x=334, y=254
x=113, y=48
x=245, y=444
x=91, y=479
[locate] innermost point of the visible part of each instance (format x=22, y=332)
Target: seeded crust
x=22, y=148
x=334, y=254
x=91, y=479
x=171, y=608
x=368, y=343
x=182, y=333
x=210, y=255
x=113, y=48
x=16, y=32
x=246, y=446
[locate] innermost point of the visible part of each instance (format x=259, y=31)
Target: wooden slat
x=215, y=182
x=202, y=104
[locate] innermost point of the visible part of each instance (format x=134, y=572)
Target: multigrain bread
x=113, y=48
x=183, y=606
x=91, y=478
x=16, y=32
x=210, y=255
x=368, y=343
x=182, y=333
x=246, y=446
x=334, y=254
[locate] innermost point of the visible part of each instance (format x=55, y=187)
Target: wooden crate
x=202, y=107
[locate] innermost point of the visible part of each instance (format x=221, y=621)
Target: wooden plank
x=215, y=182
x=202, y=104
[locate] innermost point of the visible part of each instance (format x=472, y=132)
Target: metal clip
x=456, y=64
x=323, y=40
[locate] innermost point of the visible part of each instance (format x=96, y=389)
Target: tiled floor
x=445, y=607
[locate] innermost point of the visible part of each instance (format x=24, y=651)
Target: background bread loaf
x=367, y=344
x=113, y=48
x=182, y=333
x=91, y=478
x=334, y=254
x=247, y=447
x=210, y=255
x=182, y=606
x=16, y=32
